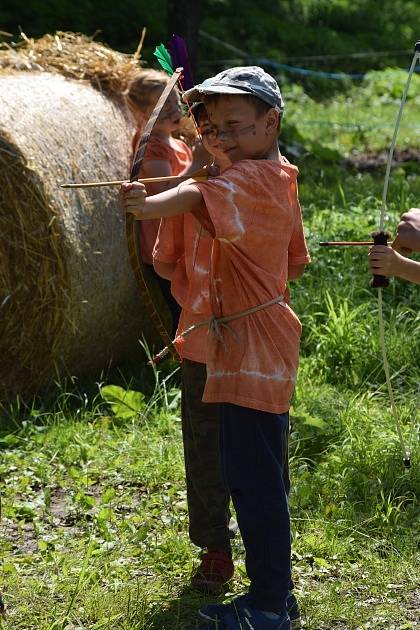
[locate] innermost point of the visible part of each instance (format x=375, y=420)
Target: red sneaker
x=215, y=570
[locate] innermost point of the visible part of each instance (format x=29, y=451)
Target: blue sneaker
x=241, y=614
x=293, y=611
x=216, y=612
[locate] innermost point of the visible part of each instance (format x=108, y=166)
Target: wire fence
x=243, y=58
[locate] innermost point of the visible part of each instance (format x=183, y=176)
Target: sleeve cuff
x=299, y=260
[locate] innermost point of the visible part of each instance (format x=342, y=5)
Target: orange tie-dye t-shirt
x=252, y=210
x=179, y=157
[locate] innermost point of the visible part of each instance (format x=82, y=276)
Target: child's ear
x=272, y=121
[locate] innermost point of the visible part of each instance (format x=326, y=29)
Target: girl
x=165, y=155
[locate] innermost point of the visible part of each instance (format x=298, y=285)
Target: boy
x=252, y=213
x=394, y=261
x=182, y=254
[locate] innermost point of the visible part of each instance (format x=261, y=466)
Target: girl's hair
x=140, y=89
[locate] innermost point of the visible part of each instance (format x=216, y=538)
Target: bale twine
x=68, y=299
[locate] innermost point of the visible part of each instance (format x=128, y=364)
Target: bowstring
x=186, y=101
x=414, y=426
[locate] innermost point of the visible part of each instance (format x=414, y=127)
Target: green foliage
x=294, y=31
x=118, y=27
x=340, y=338
x=358, y=119
x=124, y=403
x=281, y=30
x=386, y=86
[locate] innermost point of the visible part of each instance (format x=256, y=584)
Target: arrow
x=198, y=176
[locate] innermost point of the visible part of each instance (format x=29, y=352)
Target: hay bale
x=74, y=56
x=68, y=299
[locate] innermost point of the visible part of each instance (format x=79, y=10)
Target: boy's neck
x=274, y=152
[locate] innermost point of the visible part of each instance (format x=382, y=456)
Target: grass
x=93, y=523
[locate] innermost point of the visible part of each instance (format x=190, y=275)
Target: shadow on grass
x=182, y=611
x=71, y=396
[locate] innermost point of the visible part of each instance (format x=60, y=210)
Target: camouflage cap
x=240, y=80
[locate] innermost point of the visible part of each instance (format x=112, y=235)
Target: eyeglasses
x=212, y=134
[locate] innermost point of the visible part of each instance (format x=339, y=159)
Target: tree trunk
x=184, y=19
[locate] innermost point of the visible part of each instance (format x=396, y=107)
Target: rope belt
x=216, y=324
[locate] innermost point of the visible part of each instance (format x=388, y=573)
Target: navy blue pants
x=254, y=456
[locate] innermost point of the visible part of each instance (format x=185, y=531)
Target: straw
x=68, y=301
x=75, y=56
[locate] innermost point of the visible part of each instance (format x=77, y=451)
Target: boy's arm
x=295, y=271
x=161, y=168
x=179, y=200
x=297, y=251
x=385, y=261
x=408, y=232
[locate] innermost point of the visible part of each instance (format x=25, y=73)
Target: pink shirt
x=181, y=240
x=178, y=158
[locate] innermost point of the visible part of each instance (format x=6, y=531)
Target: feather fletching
x=164, y=58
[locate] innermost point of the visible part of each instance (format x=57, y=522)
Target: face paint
x=241, y=132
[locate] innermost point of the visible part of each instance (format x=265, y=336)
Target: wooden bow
x=132, y=226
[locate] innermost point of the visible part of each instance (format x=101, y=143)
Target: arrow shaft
x=345, y=243
x=199, y=176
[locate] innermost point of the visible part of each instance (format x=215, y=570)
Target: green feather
x=164, y=59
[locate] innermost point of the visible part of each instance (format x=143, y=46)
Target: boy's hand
x=408, y=233
x=384, y=261
x=213, y=170
x=201, y=156
x=133, y=197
